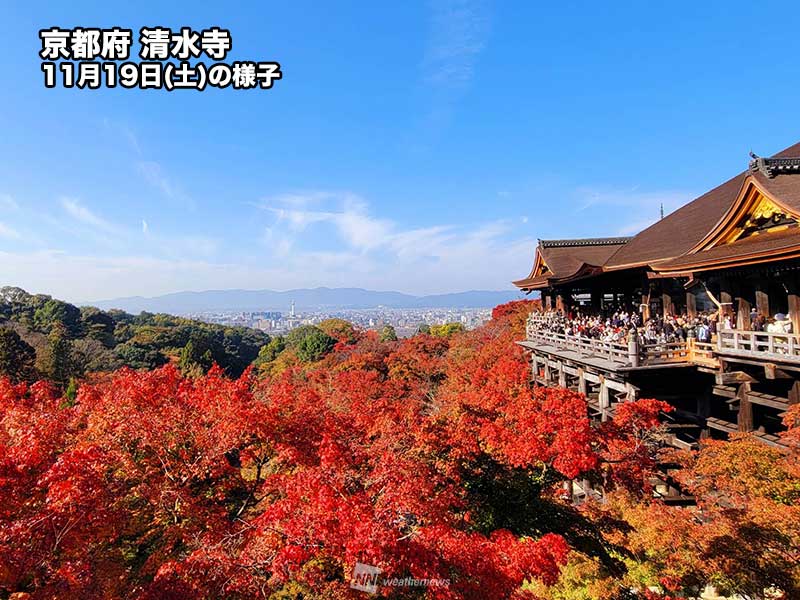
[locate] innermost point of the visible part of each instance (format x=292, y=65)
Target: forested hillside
x=430, y=458
x=44, y=337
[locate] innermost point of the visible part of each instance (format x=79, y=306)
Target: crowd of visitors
x=620, y=325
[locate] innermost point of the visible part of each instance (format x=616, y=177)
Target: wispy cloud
x=7, y=202
x=155, y=175
x=634, y=209
x=9, y=232
x=84, y=215
x=372, y=250
x=458, y=33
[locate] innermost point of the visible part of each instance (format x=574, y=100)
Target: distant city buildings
x=406, y=321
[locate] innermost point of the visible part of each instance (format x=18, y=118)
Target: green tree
x=98, y=325
x=310, y=343
x=195, y=360
x=56, y=311
x=446, y=330
x=56, y=362
x=270, y=351
x=340, y=330
x=388, y=334
x=424, y=328
x=17, y=357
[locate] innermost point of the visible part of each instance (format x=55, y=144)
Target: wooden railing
x=622, y=353
x=759, y=344
x=756, y=344
x=613, y=351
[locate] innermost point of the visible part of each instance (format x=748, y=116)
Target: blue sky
x=422, y=147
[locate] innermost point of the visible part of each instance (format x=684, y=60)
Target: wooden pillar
x=727, y=305
x=562, y=376
x=745, y=418
x=645, y=307
x=581, y=381
x=691, y=305
x=595, y=302
x=762, y=303
x=603, y=399
x=569, y=489
x=666, y=304
x=794, y=393
x=546, y=372
x=548, y=301
x=742, y=314
x=561, y=305
x=794, y=312
x=631, y=393
x=535, y=369
x=633, y=349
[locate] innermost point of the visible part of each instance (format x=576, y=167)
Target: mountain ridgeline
x=41, y=336
x=305, y=299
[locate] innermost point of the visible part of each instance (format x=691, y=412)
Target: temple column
x=742, y=314
x=762, y=303
x=666, y=304
x=745, y=418
x=581, y=381
x=794, y=312
x=603, y=399
x=561, y=304
x=691, y=305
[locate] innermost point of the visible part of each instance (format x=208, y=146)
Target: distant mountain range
x=305, y=299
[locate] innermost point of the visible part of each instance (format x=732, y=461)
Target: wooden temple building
x=733, y=253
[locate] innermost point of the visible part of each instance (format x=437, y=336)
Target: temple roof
x=560, y=260
x=708, y=232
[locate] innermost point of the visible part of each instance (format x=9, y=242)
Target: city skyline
x=434, y=163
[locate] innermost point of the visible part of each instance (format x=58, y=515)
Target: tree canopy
x=429, y=458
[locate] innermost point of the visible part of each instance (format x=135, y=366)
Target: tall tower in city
x=291, y=310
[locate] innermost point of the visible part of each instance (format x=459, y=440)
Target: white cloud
x=83, y=214
x=8, y=232
x=145, y=227
x=634, y=209
x=458, y=34
x=7, y=202
x=154, y=174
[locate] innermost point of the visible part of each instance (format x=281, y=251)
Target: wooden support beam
x=561, y=304
x=745, y=416
x=773, y=372
x=794, y=393
x=762, y=303
x=562, y=376
x=581, y=381
x=535, y=369
x=645, y=305
x=794, y=312
x=666, y=304
x=733, y=377
x=691, y=305
x=742, y=314
x=603, y=399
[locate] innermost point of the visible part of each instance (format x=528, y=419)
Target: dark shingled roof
x=776, y=244
x=569, y=258
x=680, y=231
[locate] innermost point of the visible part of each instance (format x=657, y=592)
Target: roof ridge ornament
x=566, y=243
x=771, y=167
